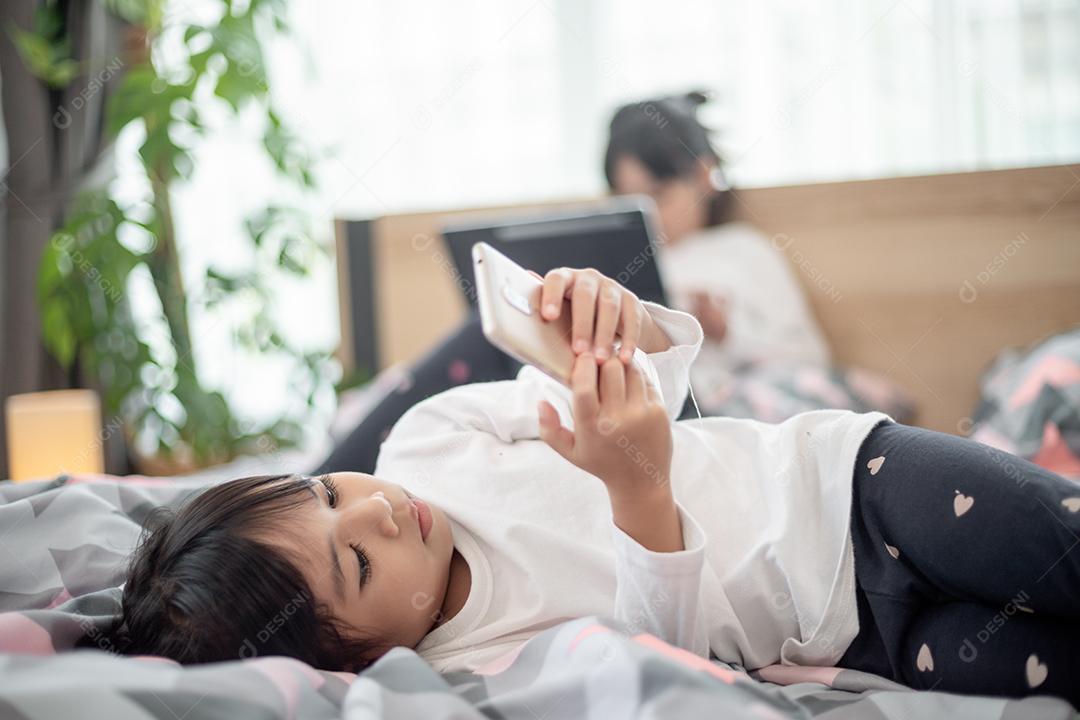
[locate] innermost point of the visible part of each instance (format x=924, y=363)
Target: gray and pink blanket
x=63, y=548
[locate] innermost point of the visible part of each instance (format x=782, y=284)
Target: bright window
x=429, y=105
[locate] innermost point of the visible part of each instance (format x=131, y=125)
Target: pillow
x=1030, y=404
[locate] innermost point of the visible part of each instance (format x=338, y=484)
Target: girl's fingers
x=608, y=303
x=612, y=384
x=636, y=392
x=631, y=329
x=553, y=433
x=583, y=384
x=650, y=390
x=556, y=283
x=583, y=309
x=600, y=309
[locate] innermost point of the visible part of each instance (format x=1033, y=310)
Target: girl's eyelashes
x=331, y=490
x=332, y=497
x=365, y=565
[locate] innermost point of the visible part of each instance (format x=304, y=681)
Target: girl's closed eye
x=365, y=565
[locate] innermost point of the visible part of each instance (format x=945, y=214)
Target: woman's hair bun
x=694, y=98
x=687, y=103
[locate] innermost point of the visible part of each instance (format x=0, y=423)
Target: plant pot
x=181, y=462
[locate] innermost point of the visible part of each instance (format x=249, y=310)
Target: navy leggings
x=967, y=566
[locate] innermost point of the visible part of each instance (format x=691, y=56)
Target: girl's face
x=682, y=203
x=366, y=559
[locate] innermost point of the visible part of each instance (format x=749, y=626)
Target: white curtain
x=423, y=105
x=440, y=104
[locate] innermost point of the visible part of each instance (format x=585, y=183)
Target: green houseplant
x=170, y=419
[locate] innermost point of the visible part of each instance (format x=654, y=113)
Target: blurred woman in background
x=722, y=270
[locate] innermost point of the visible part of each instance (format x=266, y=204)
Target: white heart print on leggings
x=1036, y=671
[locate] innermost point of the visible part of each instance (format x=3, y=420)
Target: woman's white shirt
x=768, y=318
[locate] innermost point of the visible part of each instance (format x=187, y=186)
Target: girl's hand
x=622, y=433
x=601, y=310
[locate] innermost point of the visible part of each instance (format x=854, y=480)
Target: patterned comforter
x=63, y=548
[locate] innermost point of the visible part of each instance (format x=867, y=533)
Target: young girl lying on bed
x=500, y=509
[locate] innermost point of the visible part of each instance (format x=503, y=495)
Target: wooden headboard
x=923, y=279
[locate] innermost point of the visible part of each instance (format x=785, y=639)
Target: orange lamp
x=54, y=432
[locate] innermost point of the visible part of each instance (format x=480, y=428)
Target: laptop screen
x=614, y=237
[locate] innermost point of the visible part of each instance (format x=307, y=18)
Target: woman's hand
x=601, y=310
x=711, y=311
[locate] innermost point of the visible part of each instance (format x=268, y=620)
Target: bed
x=64, y=544
x=915, y=243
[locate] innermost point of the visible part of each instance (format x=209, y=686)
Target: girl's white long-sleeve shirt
x=767, y=573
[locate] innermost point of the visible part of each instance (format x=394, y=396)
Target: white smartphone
x=509, y=300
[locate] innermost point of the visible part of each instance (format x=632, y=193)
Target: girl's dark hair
x=665, y=135
x=203, y=587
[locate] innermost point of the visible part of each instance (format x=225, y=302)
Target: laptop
x=615, y=236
